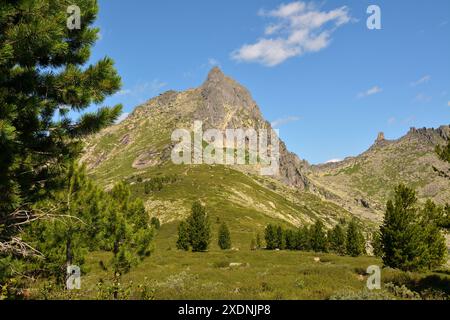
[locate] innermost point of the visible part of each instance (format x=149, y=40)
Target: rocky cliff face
x=143, y=139
x=362, y=184
x=226, y=104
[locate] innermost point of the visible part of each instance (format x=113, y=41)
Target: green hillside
x=364, y=183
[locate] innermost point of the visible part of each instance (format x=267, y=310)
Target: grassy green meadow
x=261, y=274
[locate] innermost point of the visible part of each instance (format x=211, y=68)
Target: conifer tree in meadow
x=402, y=237
x=224, y=237
x=183, y=236
x=318, y=237
x=355, y=242
x=337, y=240
x=270, y=235
x=125, y=231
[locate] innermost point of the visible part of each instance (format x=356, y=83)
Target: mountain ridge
x=220, y=103
x=360, y=184
x=363, y=183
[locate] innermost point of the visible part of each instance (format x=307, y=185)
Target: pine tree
x=224, y=237
x=291, y=239
x=280, y=240
x=43, y=77
x=183, y=236
x=72, y=230
x=271, y=237
x=355, y=241
x=337, y=240
x=435, y=240
x=318, y=237
x=126, y=231
x=377, y=244
x=402, y=237
x=199, y=228
x=303, y=239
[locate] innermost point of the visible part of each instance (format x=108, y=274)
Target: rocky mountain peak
x=219, y=103
x=380, y=141
x=215, y=75
x=430, y=135
x=222, y=99
x=380, y=137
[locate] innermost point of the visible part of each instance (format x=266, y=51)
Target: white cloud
x=392, y=120
x=423, y=98
x=122, y=117
x=279, y=122
x=140, y=89
x=272, y=29
x=286, y=10
x=448, y=103
x=299, y=28
x=422, y=80
x=370, y=92
x=334, y=161
x=123, y=92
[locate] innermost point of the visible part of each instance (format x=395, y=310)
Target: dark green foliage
x=153, y=185
x=224, y=237
x=402, y=236
x=278, y=238
x=43, y=77
x=337, y=240
x=355, y=241
x=183, y=236
x=377, y=244
x=291, y=239
x=280, y=241
x=199, y=228
x=434, y=238
x=318, y=237
x=412, y=237
x=195, y=232
x=85, y=219
x=270, y=235
x=72, y=229
x=126, y=230
x=156, y=184
x=155, y=223
x=303, y=239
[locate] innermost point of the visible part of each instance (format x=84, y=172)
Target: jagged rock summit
x=220, y=103
x=365, y=182
x=226, y=103
x=380, y=137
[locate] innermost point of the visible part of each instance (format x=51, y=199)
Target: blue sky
x=328, y=82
